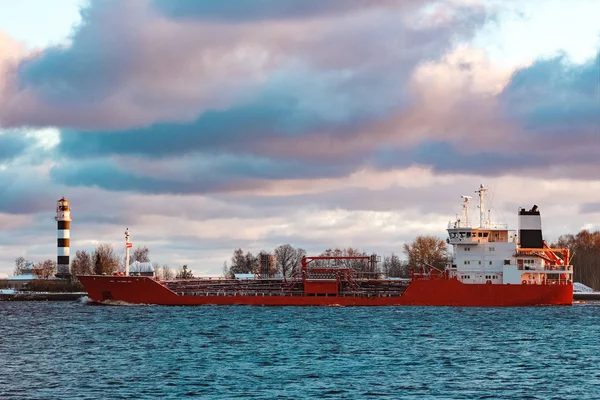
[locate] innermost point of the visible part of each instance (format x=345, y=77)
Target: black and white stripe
x=530, y=229
x=63, y=218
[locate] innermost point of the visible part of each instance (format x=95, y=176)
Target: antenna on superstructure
x=127, y=247
x=481, y=191
x=466, y=200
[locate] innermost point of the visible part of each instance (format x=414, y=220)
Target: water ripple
x=78, y=351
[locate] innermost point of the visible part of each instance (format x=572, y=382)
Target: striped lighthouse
x=63, y=217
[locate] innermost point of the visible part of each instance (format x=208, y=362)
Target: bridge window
x=492, y=249
x=490, y=263
x=506, y=262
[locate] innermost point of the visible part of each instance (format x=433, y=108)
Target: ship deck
x=289, y=288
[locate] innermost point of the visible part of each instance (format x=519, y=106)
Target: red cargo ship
x=491, y=266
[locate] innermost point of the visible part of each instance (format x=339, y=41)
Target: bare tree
x=167, y=273
x=82, y=263
x=105, y=261
x=426, y=251
x=358, y=265
x=45, y=269
x=297, y=261
x=226, y=271
x=288, y=259
x=394, y=267
x=164, y=272
x=157, y=270
x=20, y=266
x=141, y=254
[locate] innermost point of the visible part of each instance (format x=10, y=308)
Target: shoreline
x=42, y=296
x=586, y=296
x=73, y=296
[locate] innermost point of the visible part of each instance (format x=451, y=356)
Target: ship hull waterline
x=437, y=292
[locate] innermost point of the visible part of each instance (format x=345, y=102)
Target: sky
x=208, y=126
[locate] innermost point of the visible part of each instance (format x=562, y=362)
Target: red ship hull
x=420, y=292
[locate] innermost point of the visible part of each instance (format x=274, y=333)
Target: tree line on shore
x=584, y=249
x=428, y=251
x=104, y=260
x=423, y=251
x=43, y=269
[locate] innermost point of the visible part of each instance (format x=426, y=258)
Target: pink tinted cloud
x=130, y=66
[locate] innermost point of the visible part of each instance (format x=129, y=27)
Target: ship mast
x=466, y=209
x=127, y=247
x=481, y=191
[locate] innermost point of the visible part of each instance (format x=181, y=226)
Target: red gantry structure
x=491, y=266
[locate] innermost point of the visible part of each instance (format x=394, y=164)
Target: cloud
x=26, y=189
x=556, y=106
x=553, y=96
x=129, y=66
x=12, y=145
x=252, y=10
x=11, y=51
x=122, y=69
x=590, y=208
x=539, y=120
x=12, y=222
x=199, y=173
x=292, y=106
x=283, y=136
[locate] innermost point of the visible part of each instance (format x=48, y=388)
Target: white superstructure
x=493, y=254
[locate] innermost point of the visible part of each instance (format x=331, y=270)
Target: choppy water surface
x=76, y=350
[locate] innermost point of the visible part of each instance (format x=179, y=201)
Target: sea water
x=52, y=350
